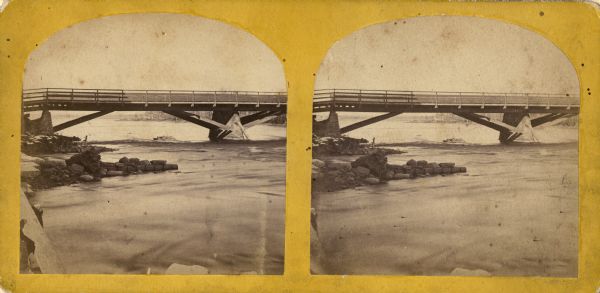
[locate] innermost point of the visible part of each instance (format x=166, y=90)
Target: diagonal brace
x=368, y=122
x=79, y=120
x=547, y=118
x=189, y=117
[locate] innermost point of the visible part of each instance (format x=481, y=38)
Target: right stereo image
x=445, y=145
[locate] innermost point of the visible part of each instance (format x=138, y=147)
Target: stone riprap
x=86, y=166
x=331, y=175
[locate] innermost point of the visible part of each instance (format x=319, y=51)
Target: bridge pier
x=513, y=125
x=42, y=125
x=223, y=117
x=224, y=123
x=328, y=127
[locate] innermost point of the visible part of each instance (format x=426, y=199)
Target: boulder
x=178, y=269
x=89, y=159
x=158, y=167
x=86, y=178
x=114, y=173
x=371, y=180
x=339, y=165
x=144, y=162
x=318, y=163
x=124, y=160
x=421, y=163
x=375, y=162
x=76, y=168
x=134, y=161
x=158, y=162
x=389, y=174
x=50, y=163
x=361, y=171
x=447, y=165
x=171, y=167
x=411, y=162
x=398, y=176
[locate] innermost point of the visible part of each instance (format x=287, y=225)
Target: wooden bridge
x=225, y=105
x=515, y=108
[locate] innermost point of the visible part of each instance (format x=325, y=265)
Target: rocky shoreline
x=329, y=174
x=86, y=166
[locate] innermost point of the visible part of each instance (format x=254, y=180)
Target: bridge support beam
x=513, y=125
x=79, y=120
x=224, y=123
x=368, y=122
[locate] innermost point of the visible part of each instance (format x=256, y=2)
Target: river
x=223, y=209
x=515, y=212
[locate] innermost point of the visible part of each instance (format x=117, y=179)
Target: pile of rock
x=54, y=143
x=127, y=166
x=346, y=146
x=334, y=175
x=85, y=167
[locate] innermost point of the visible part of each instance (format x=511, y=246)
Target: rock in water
x=170, y=167
x=339, y=165
x=177, y=269
x=318, y=163
x=371, y=180
x=76, y=168
x=375, y=162
x=86, y=178
x=361, y=171
x=89, y=159
x=158, y=162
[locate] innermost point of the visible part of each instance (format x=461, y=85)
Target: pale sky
x=447, y=53
x=154, y=51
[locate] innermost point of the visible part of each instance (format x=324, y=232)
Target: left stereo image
x=153, y=144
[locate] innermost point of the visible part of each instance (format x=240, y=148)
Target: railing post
x=72, y=95
x=385, y=99
x=215, y=99
x=257, y=99
x=146, y=98
x=505, y=99
x=122, y=94
x=96, y=97
x=170, y=98
x=193, y=98
x=333, y=99
x=436, y=100
x=527, y=99
x=236, y=98
x=548, y=102
x=482, y=100
x=459, y=100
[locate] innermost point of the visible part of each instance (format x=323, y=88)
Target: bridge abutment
x=328, y=127
x=42, y=125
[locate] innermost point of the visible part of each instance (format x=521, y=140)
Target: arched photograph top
x=445, y=145
x=153, y=144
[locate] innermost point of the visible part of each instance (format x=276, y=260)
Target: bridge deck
x=442, y=102
x=149, y=100
x=324, y=100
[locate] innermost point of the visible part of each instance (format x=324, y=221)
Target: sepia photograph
x=153, y=144
x=445, y=145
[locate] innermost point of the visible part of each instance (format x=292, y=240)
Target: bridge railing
x=60, y=95
x=439, y=98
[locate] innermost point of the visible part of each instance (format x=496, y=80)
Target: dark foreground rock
x=54, y=143
x=346, y=146
x=332, y=175
x=86, y=166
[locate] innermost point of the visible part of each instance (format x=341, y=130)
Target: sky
x=447, y=53
x=154, y=51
